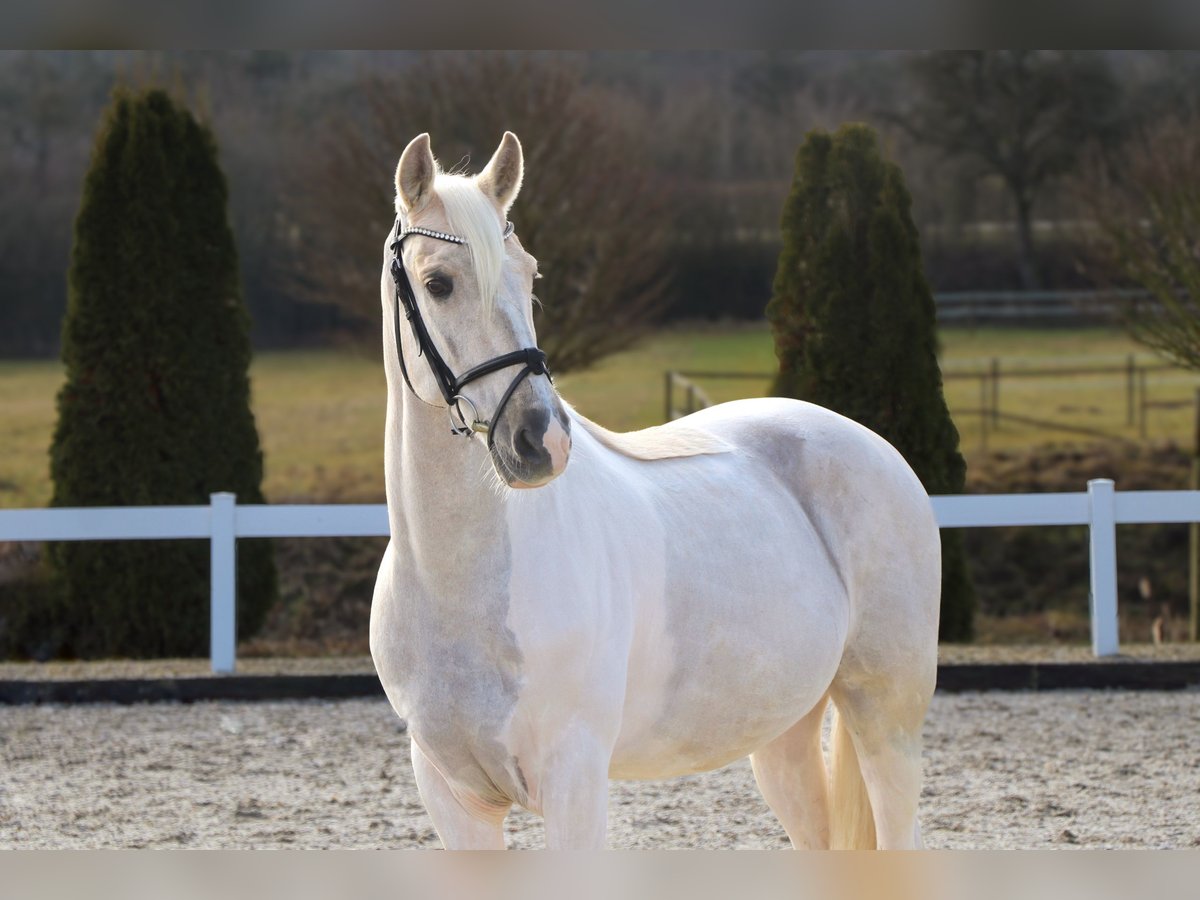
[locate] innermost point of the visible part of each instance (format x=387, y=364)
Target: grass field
x=320, y=414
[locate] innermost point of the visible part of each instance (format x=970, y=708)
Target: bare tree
x=1145, y=204
x=48, y=104
x=1023, y=115
x=590, y=209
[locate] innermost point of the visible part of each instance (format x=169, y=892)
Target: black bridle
x=531, y=359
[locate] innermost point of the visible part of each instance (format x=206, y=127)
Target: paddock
x=1015, y=770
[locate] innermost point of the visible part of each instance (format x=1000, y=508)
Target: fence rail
x=223, y=521
x=975, y=307
x=1133, y=372
x=694, y=397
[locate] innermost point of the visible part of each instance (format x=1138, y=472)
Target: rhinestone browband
x=444, y=236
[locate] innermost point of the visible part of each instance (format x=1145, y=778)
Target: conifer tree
x=854, y=322
x=155, y=408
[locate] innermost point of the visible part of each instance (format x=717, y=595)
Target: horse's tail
x=851, y=822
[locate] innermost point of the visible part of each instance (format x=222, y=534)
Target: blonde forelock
x=471, y=216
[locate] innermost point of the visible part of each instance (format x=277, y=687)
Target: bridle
x=531, y=359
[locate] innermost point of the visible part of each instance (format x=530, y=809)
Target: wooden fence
x=1136, y=393
x=683, y=395
x=692, y=395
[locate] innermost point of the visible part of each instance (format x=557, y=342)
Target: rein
x=531, y=359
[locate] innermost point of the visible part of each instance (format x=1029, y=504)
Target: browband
x=401, y=234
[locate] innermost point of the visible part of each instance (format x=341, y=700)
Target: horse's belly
x=715, y=722
x=727, y=691
x=743, y=641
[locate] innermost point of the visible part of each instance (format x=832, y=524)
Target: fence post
x=995, y=392
x=1102, y=537
x=223, y=574
x=670, y=385
x=1142, y=403
x=1129, y=374
x=984, y=414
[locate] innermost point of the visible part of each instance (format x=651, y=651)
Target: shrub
x=854, y=324
x=155, y=408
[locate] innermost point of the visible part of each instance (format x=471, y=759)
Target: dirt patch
x=948, y=654
x=1015, y=770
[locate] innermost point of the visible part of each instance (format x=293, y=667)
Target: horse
x=671, y=601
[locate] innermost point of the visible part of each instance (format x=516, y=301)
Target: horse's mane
x=670, y=441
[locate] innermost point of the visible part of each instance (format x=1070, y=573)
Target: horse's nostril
x=523, y=444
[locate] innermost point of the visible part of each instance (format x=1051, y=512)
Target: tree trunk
x=1026, y=261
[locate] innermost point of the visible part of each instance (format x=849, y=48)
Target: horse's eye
x=438, y=287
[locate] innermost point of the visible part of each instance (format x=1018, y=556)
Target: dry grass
x=27, y=391
x=1099, y=402
x=320, y=418
x=320, y=414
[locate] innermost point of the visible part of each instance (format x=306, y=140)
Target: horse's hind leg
x=884, y=724
x=790, y=772
x=886, y=678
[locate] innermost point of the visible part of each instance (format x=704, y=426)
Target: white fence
x=222, y=522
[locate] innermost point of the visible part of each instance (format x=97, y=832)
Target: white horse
x=671, y=601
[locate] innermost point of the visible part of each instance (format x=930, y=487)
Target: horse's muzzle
x=535, y=451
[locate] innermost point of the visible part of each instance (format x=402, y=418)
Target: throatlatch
x=531, y=359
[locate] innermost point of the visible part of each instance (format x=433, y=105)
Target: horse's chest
x=456, y=680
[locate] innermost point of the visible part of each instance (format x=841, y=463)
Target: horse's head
x=466, y=289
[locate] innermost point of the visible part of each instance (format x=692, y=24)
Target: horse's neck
x=447, y=518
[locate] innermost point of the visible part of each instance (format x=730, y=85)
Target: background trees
x=853, y=320
x=1025, y=116
x=590, y=209
x=155, y=408
x=713, y=130
x=1145, y=206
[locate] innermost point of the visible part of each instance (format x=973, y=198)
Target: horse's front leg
x=574, y=794
x=461, y=824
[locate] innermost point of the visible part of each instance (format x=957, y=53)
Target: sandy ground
x=952, y=654
x=1061, y=769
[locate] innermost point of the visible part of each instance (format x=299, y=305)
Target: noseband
x=531, y=359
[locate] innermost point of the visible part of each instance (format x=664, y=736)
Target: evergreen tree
x=156, y=404
x=854, y=322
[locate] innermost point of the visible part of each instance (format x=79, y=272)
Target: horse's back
x=859, y=492
x=783, y=430
x=835, y=467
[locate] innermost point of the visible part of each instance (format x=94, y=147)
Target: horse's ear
x=414, y=174
x=501, y=178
